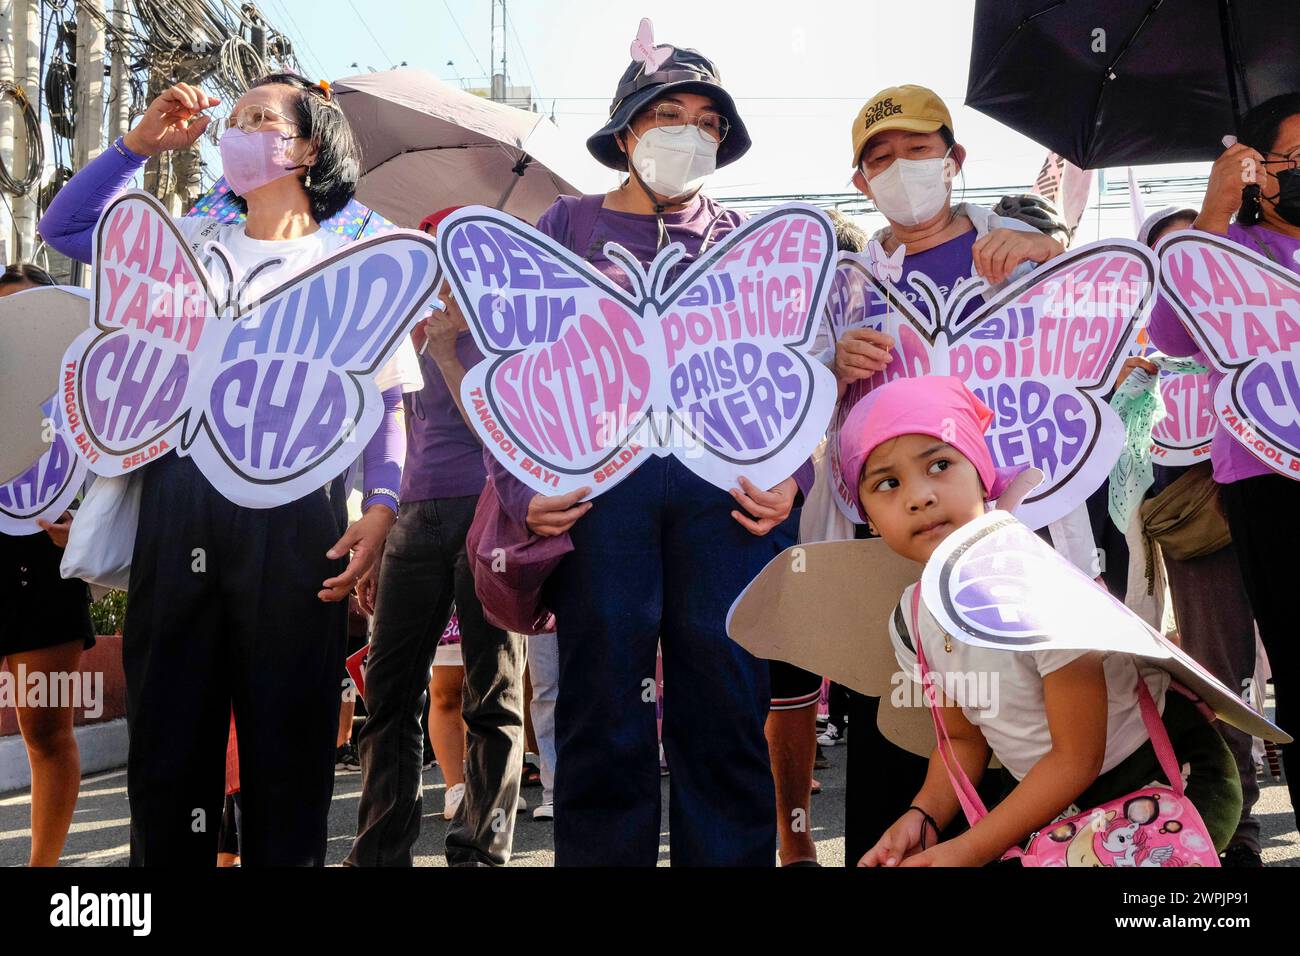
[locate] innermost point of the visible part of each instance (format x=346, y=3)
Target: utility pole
x=7, y=116
x=119, y=98
x=89, y=140
x=498, y=86
x=27, y=74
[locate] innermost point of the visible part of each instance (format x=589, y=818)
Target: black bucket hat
x=685, y=71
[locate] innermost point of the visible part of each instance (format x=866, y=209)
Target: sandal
x=531, y=775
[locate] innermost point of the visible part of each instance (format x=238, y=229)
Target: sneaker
x=346, y=759
x=452, y=802
x=521, y=806
x=831, y=736
x=820, y=762
x=545, y=811
x=1240, y=855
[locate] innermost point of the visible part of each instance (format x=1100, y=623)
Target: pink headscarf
x=937, y=405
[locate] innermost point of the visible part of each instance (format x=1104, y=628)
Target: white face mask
x=912, y=191
x=674, y=163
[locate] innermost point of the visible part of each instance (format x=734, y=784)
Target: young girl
x=1065, y=724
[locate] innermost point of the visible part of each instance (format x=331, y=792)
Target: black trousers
x=1263, y=515
x=424, y=569
x=223, y=611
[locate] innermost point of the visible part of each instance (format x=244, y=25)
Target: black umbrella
x=1127, y=82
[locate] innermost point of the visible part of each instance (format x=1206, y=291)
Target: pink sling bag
x=1154, y=826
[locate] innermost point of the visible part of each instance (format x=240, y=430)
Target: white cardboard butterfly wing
x=567, y=380
x=129, y=379
x=289, y=399
x=993, y=583
x=743, y=391
x=1243, y=311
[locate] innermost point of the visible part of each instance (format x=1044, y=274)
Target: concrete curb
x=103, y=747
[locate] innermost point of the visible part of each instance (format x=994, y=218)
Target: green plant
x=108, y=613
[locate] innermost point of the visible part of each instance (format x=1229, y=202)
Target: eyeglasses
x=674, y=118
x=250, y=119
x=1292, y=159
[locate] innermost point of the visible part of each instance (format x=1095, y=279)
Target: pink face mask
x=251, y=160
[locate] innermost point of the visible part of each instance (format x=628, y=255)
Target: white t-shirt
x=296, y=255
x=1001, y=692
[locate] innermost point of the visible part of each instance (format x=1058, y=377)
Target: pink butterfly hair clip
x=644, y=50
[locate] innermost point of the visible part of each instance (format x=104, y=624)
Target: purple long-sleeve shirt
x=69, y=227
x=1231, y=460
x=444, y=459
x=702, y=220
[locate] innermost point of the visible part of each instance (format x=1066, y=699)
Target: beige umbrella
x=427, y=145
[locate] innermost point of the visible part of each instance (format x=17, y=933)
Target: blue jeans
x=658, y=560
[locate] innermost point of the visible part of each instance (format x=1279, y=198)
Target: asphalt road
x=99, y=835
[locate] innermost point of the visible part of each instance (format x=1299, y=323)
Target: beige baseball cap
x=914, y=109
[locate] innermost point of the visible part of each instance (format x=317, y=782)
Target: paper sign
x=1183, y=436
x=272, y=398
x=581, y=381
x=44, y=490
x=356, y=668
x=1243, y=311
x=1041, y=353
x=994, y=583
x=36, y=327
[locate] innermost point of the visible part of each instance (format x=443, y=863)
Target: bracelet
x=117, y=145
x=928, y=819
x=374, y=492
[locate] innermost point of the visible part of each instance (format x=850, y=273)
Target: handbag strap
x=970, y=801
x=582, y=224
x=1159, y=735
x=967, y=796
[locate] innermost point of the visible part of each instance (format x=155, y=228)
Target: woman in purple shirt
x=661, y=556
x=1262, y=506
x=232, y=604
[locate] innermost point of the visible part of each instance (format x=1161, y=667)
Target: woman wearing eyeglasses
x=659, y=558
x=260, y=621
x=1262, y=507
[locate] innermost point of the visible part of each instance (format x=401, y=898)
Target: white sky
x=799, y=72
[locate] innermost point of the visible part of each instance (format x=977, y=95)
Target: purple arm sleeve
x=805, y=477
x=69, y=224
x=382, y=460
x=1167, y=332
x=513, y=493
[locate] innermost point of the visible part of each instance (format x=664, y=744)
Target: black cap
x=685, y=71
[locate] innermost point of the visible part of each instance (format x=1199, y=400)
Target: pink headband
x=937, y=405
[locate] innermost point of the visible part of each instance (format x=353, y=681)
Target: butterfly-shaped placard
x=582, y=380
x=44, y=490
x=1041, y=353
x=271, y=398
x=1243, y=311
